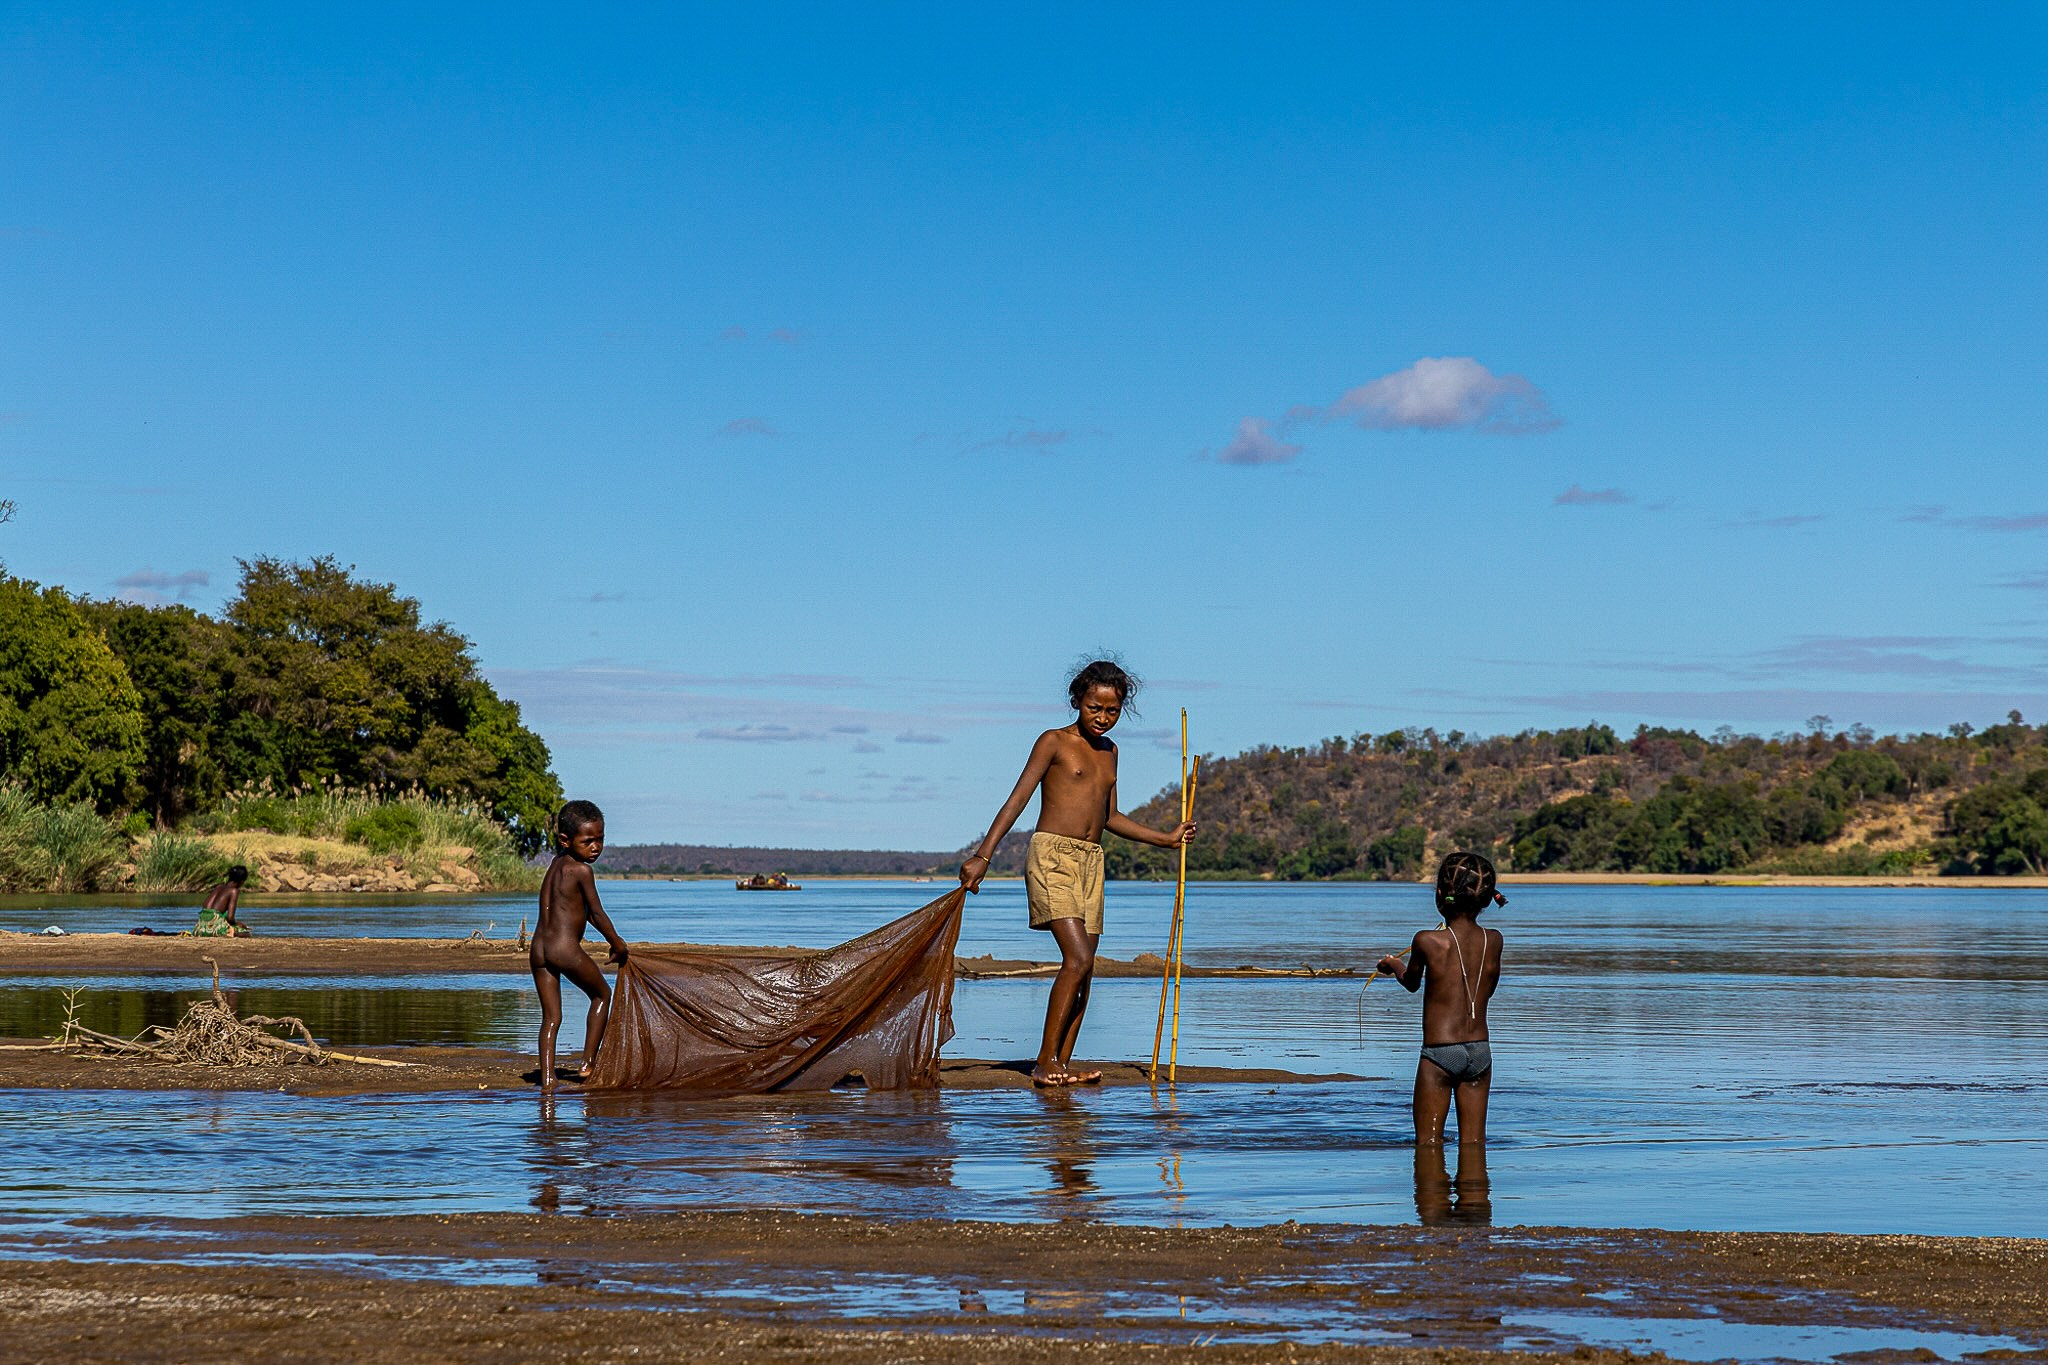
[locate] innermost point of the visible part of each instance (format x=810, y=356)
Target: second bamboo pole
x=1180, y=918
x=1173, y=924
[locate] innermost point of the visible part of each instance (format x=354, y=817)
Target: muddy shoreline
x=794, y=1287
x=35, y=954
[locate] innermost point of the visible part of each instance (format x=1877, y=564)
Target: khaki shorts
x=1063, y=880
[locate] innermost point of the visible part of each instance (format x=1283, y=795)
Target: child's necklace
x=1471, y=1000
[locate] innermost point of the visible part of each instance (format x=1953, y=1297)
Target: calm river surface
x=1686, y=1057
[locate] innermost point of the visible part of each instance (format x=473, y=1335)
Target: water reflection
x=1441, y=1201
x=895, y=1150
x=1064, y=1144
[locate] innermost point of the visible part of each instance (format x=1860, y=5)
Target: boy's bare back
x=1450, y=1012
x=567, y=893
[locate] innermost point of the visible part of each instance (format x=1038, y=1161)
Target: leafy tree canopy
x=310, y=676
x=331, y=678
x=71, y=723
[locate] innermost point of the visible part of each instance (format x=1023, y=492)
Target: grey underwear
x=1462, y=1061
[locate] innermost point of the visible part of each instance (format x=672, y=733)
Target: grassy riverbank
x=332, y=839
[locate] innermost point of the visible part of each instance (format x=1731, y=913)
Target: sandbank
x=26, y=1064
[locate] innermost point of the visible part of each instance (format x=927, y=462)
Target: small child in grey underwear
x=1460, y=966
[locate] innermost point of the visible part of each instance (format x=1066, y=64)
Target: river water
x=1860, y=1060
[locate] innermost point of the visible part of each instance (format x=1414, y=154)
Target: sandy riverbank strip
x=762, y=1287
x=448, y=1070
x=34, y=954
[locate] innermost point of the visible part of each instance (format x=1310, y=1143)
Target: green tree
x=1398, y=857
x=71, y=723
x=523, y=791
x=175, y=656
x=328, y=677
x=2001, y=827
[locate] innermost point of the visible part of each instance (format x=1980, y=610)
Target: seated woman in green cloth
x=217, y=918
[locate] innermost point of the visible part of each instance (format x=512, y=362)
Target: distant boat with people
x=762, y=881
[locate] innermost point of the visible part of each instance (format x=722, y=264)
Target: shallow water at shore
x=1838, y=1060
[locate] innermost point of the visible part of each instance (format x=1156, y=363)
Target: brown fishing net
x=878, y=1007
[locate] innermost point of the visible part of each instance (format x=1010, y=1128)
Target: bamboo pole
x=1173, y=924
x=1187, y=812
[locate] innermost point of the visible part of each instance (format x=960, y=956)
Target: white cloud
x=1447, y=393
x=1255, y=443
x=920, y=737
x=748, y=426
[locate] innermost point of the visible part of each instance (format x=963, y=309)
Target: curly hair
x=1465, y=885
x=574, y=815
x=1103, y=673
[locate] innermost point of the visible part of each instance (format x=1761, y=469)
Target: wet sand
x=788, y=1287
x=23, y=954
x=434, y=1070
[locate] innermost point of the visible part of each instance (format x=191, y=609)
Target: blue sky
x=782, y=398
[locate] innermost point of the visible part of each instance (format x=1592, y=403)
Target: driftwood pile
x=210, y=1034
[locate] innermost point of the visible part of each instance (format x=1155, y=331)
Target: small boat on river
x=762, y=881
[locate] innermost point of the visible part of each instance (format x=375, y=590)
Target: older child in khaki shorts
x=1073, y=769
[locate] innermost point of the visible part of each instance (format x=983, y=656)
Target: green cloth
x=214, y=924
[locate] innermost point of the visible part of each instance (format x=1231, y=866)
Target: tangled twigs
x=211, y=1034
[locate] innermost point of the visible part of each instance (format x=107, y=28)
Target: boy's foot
x=1050, y=1080
x=1085, y=1077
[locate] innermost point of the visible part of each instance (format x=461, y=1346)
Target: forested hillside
x=1820, y=802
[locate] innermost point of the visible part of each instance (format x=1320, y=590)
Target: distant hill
x=1577, y=800
x=702, y=859
x=1848, y=803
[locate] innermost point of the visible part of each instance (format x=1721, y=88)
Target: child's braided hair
x=1465, y=885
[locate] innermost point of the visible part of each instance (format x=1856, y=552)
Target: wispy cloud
x=2004, y=523
x=165, y=582
x=1779, y=523
x=1255, y=443
x=748, y=426
x=1576, y=496
x=1894, y=655
x=866, y=746
x=758, y=734
x=2036, y=581
x=781, y=336
x=1033, y=438
x=920, y=737
x=149, y=588
x=603, y=598
x=849, y=729
x=1447, y=393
